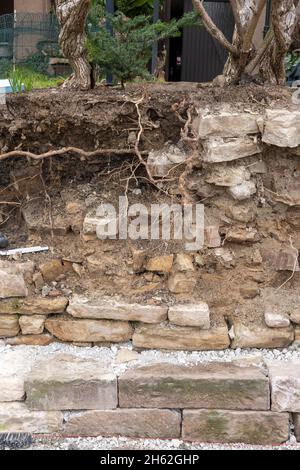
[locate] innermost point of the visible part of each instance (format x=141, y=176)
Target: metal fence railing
x=26, y=36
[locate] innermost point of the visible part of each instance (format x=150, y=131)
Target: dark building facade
x=196, y=56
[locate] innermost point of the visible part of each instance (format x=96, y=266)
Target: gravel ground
x=122, y=443
x=110, y=355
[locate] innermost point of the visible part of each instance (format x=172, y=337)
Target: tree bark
x=243, y=59
x=72, y=16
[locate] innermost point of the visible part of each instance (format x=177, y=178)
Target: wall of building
x=32, y=6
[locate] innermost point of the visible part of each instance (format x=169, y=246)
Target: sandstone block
x=9, y=325
x=133, y=423
x=12, y=285
x=261, y=337
x=30, y=340
x=70, y=383
x=249, y=427
x=208, y=386
x=282, y=128
x=113, y=310
x=16, y=417
x=182, y=283
x=34, y=306
x=190, y=315
x=218, y=150
x=175, y=337
x=275, y=319
x=32, y=325
x=285, y=386
x=226, y=124
x=161, y=264
x=96, y=331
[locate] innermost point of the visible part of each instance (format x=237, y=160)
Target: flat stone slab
x=285, y=386
x=134, y=423
x=172, y=337
x=248, y=427
x=211, y=386
x=96, y=331
x=226, y=124
x=190, y=315
x=261, y=337
x=70, y=383
x=34, y=306
x=16, y=417
x=112, y=310
x=218, y=150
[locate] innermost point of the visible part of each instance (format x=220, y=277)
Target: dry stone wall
x=239, y=291
x=209, y=402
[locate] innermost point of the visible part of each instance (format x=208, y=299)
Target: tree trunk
x=72, y=16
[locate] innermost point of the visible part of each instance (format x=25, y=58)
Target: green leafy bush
x=126, y=53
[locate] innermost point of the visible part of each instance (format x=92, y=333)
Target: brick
x=211, y=386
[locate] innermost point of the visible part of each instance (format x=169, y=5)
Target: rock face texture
x=210, y=386
x=70, y=383
x=250, y=427
x=16, y=417
x=282, y=128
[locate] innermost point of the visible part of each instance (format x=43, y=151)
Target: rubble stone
x=16, y=417
x=12, y=285
x=282, y=128
x=32, y=325
x=9, y=325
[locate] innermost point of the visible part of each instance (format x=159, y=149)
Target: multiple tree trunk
x=72, y=16
x=243, y=59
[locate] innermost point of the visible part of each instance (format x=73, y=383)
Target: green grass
x=34, y=80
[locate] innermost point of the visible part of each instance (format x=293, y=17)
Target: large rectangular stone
x=96, y=331
x=226, y=124
x=16, y=417
x=190, y=315
x=216, y=385
x=248, y=427
x=134, y=423
x=285, y=386
x=34, y=306
x=282, y=128
x=70, y=383
x=176, y=337
x=112, y=310
x=259, y=336
x=217, y=150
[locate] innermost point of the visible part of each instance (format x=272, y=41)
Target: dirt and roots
x=73, y=151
